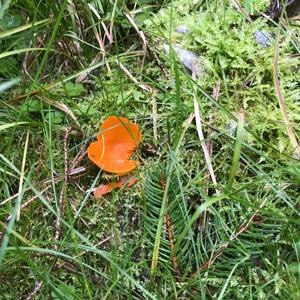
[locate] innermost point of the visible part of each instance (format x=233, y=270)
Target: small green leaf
x=11, y=21
x=31, y=105
x=64, y=291
x=74, y=89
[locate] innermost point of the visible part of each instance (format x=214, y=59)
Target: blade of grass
x=4, y=6
x=240, y=132
x=8, y=84
x=9, y=125
x=22, y=28
x=222, y=293
x=52, y=39
x=16, y=213
x=18, y=51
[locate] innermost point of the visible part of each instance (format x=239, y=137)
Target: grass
x=173, y=235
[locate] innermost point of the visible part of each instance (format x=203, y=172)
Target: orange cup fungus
x=107, y=188
x=116, y=142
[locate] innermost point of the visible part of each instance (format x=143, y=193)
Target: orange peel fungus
x=116, y=142
x=107, y=188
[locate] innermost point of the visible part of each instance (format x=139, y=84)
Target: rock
x=262, y=38
x=188, y=58
x=182, y=29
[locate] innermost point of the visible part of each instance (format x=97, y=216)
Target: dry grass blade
x=289, y=127
x=141, y=36
x=60, y=106
x=216, y=94
x=144, y=87
x=203, y=145
x=22, y=175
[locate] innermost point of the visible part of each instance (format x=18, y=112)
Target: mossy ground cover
x=236, y=239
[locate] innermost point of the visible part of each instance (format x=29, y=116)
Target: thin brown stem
x=289, y=127
x=63, y=190
x=171, y=243
x=170, y=234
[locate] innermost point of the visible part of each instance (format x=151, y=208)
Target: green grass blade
x=6, y=126
x=222, y=293
x=3, y=7
x=18, y=51
x=240, y=137
x=21, y=28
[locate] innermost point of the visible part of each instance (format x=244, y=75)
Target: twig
x=78, y=158
x=154, y=117
x=289, y=127
x=147, y=47
x=171, y=243
x=170, y=234
x=215, y=95
x=63, y=190
x=60, y=106
x=144, y=87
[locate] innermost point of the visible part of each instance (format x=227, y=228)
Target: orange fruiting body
x=107, y=188
x=116, y=142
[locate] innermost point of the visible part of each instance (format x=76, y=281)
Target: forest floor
x=214, y=213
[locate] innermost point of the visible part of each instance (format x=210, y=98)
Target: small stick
x=238, y=6
x=144, y=87
x=170, y=235
x=154, y=117
x=147, y=47
x=25, y=204
x=63, y=190
x=215, y=95
x=171, y=243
